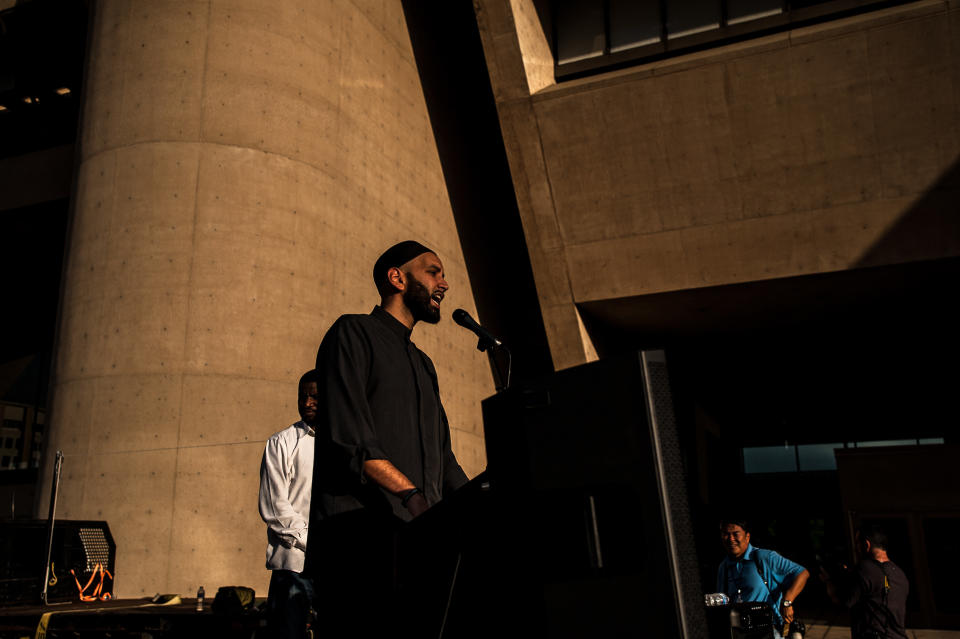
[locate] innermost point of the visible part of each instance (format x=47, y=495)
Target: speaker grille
x=96, y=548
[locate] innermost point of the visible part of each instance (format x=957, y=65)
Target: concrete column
x=242, y=164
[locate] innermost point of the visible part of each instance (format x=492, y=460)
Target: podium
x=579, y=527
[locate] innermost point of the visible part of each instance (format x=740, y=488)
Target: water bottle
x=716, y=599
x=200, y=595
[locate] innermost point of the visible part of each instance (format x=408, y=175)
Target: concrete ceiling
x=871, y=352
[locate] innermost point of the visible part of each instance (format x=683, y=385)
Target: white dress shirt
x=286, y=477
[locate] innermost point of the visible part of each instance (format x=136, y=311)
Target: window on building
x=770, y=459
x=745, y=10
x=582, y=24
x=590, y=36
x=886, y=442
x=633, y=24
x=687, y=17
x=791, y=458
x=21, y=436
x=817, y=456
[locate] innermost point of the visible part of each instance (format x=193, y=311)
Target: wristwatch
x=787, y=603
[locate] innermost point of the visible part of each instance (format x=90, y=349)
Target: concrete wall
x=810, y=151
x=242, y=164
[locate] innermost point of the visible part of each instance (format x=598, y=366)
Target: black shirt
x=379, y=400
x=876, y=613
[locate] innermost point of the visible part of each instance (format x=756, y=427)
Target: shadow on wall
x=456, y=87
x=930, y=229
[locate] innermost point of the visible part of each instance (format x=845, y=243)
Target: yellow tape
x=42, y=626
x=167, y=600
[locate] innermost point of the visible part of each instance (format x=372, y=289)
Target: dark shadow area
x=41, y=70
x=931, y=227
x=456, y=86
x=863, y=355
x=42, y=46
x=867, y=350
x=31, y=264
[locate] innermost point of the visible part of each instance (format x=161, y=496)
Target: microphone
x=463, y=318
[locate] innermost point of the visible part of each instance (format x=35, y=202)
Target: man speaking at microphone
x=386, y=456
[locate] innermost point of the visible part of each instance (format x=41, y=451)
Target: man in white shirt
x=286, y=476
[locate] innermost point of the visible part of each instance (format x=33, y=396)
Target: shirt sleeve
x=282, y=519
x=344, y=357
x=783, y=569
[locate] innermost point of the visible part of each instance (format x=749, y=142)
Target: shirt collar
x=392, y=323
x=307, y=427
x=748, y=555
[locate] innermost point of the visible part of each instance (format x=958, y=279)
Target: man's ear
x=396, y=279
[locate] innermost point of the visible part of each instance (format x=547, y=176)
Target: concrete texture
x=534, y=45
x=822, y=149
x=242, y=164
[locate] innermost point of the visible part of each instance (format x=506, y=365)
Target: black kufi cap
x=397, y=255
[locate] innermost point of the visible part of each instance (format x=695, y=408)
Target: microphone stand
x=51, y=518
x=501, y=381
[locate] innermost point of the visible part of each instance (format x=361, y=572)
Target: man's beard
x=416, y=297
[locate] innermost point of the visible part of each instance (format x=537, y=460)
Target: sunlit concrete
x=241, y=166
x=816, y=150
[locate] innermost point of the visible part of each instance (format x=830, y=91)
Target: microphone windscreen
x=461, y=317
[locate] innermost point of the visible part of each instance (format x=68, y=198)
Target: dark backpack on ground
x=233, y=600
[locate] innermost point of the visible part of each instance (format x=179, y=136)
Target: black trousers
x=352, y=565
x=289, y=600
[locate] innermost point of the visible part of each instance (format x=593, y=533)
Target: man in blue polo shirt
x=754, y=574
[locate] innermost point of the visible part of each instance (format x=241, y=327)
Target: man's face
x=735, y=540
x=307, y=402
x=425, y=287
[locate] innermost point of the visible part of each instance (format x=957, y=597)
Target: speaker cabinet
x=77, y=545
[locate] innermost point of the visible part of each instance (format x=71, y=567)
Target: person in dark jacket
x=875, y=592
x=383, y=447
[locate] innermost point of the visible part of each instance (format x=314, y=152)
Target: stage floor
x=826, y=630
x=124, y=618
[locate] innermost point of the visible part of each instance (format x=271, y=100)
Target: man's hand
x=389, y=477
x=787, y=613
x=417, y=505
x=796, y=587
